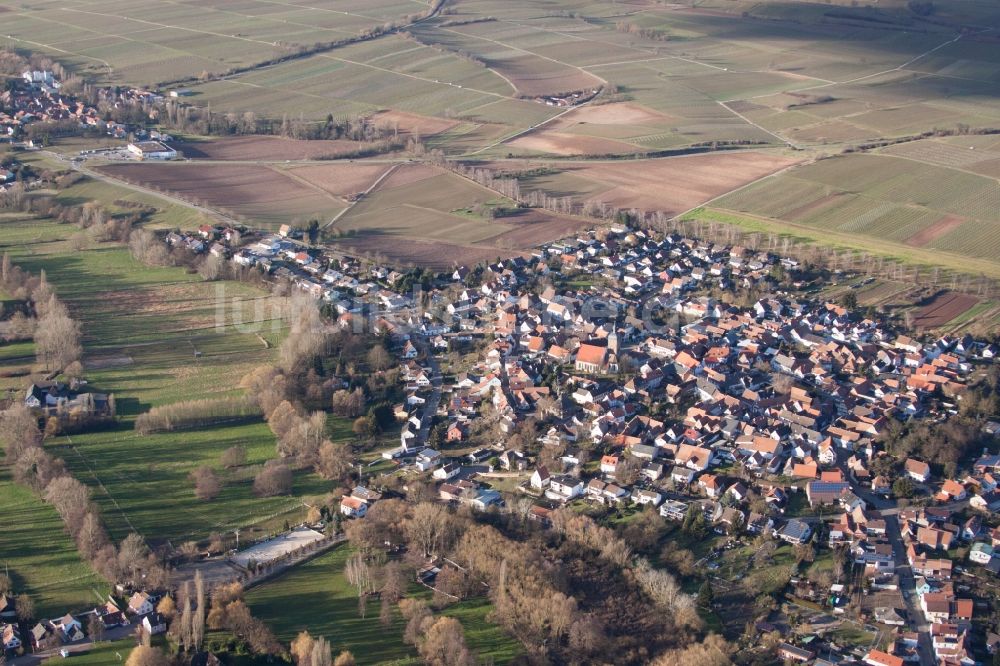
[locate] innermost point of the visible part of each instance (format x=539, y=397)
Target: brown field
x=672, y=185
x=264, y=196
x=931, y=233
x=424, y=215
x=409, y=173
x=420, y=253
x=619, y=113
x=573, y=145
x=522, y=72
x=339, y=179
x=266, y=148
x=943, y=308
x=409, y=123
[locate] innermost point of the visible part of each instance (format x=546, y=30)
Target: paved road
x=85, y=645
x=907, y=586
x=431, y=405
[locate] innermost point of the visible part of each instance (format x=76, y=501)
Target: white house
x=447, y=472
x=564, y=488
x=140, y=603
x=540, y=478
x=152, y=150
x=427, y=460
x=352, y=507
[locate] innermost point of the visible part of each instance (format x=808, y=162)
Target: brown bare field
x=409, y=173
x=531, y=80
x=265, y=148
x=943, y=308
x=409, y=123
x=934, y=231
x=572, y=145
x=675, y=184
x=424, y=215
x=340, y=179
x=421, y=253
x=261, y=194
x=618, y=113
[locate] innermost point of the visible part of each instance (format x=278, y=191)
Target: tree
x=333, y=461
x=234, y=456
x=301, y=648
x=57, y=338
x=144, y=655
x=206, y=483
x=95, y=628
x=321, y=654
x=345, y=658
x=132, y=554
x=903, y=487
x=167, y=608
x=706, y=595
x=198, y=620
x=274, y=479
x=430, y=530
x=444, y=644
x=25, y=607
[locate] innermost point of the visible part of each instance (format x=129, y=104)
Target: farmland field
x=428, y=216
x=671, y=185
x=264, y=149
x=474, y=77
x=895, y=199
x=262, y=195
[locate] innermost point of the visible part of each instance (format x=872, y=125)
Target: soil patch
x=929, y=234
x=943, y=308
x=266, y=148
x=341, y=180
x=410, y=123
x=561, y=143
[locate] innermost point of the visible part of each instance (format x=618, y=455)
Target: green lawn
x=317, y=597
x=142, y=328
x=39, y=555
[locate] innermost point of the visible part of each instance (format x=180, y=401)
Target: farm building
x=152, y=150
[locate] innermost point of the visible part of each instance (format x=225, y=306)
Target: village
x=601, y=375
x=623, y=371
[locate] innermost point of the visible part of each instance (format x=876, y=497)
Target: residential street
x=85, y=645
x=907, y=586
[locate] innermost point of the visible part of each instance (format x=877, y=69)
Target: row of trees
x=195, y=414
x=46, y=475
x=56, y=333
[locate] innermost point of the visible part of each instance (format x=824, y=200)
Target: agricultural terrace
x=900, y=202
x=294, y=602
x=429, y=216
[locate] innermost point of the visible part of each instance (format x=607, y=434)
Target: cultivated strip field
x=263, y=196
x=425, y=215
x=898, y=200
x=266, y=149
x=672, y=185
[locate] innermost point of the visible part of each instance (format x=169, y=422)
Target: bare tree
x=206, y=483
x=234, y=456
x=274, y=479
